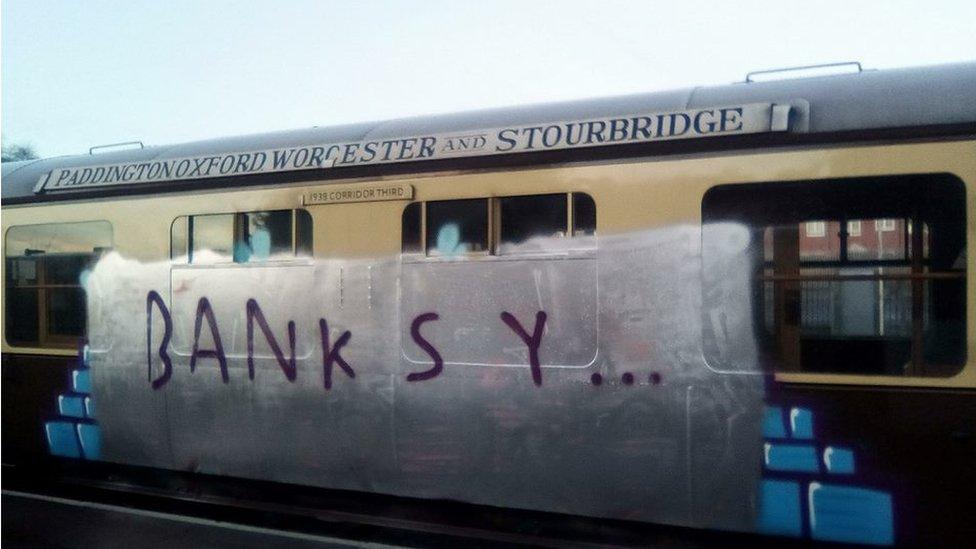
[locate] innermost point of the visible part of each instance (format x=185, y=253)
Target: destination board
x=617, y=130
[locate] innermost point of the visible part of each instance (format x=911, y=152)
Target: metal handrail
x=805, y=67
x=96, y=147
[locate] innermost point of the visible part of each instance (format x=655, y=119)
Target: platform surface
x=31, y=520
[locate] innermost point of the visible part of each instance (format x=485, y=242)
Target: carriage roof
x=937, y=97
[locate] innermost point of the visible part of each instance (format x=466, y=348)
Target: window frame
x=48, y=342
x=965, y=374
x=493, y=250
x=239, y=219
x=489, y=226
x=498, y=247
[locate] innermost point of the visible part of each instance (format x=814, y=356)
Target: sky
x=76, y=74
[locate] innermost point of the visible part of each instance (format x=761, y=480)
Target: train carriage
x=745, y=307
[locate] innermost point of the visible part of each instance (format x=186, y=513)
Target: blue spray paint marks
x=81, y=381
x=832, y=512
x=839, y=461
x=90, y=435
x=780, y=502
x=801, y=423
x=791, y=457
x=773, y=426
x=62, y=440
x=260, y=245
x=850, y=515
x=449, y=239
x=75, y=434
x=72, y=406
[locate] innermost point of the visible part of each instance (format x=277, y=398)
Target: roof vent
x=807, y=71
x=124, y=146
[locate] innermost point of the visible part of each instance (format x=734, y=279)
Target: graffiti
x=427, y=347
x=676, y=443
x=627, y=378
x=330, y=354
x=532, y=341
x=807, y=488
x=153, y=298
x=75, y=433
x=205, y=310
x=449, y=240
x=254, y=313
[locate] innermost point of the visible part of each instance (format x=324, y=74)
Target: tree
x=15, y=153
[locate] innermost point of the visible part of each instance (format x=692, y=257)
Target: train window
x=863, y=276
x=525, y=219
x=45, y=268
x=457, y=227
x=265, y=235
x=584, y=215
x=246, y=237
x=303, y=233
x=412, y=243
x=178, y=237
x=520, y=224
x=211, y=238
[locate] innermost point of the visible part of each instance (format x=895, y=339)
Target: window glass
x=529, y=223
x=525, y=219
x=211, y=238
x=303, y=233
x=879, y=239
x=65, y=269
x=23, y=302
x=410, y=233
x=45, y=268
x=178, y=238
x=66, y=312
x=819, y=240
x=249, y=237
x=847, y=301
x=59, y=238
x=266, y=235
x=584, y=215
x=456, y=227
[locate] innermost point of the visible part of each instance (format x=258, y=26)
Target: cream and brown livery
x=745, y=307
